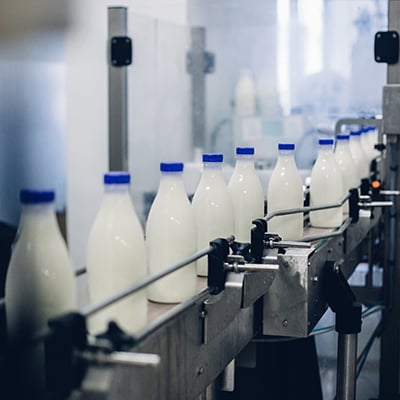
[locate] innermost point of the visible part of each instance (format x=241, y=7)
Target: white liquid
x=213, y=210
x=247, y=197
x=116, y=259
x=285, y=191
x=171, y=237
x=245, y=95
x=326, y=187
x=347, y=167
x=40, y=282
x=359, y=157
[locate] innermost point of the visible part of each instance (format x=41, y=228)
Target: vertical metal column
x=389, y=370
x=117, y=96
x=346, y=367
x=196, y=68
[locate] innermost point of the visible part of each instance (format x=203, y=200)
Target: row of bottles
x=118, y=255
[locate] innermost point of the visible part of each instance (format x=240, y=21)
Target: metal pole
x=198, y=36
x=389, y=368
x=117, y=96
x=346, y=367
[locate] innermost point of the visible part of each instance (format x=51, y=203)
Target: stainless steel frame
x=117, y=96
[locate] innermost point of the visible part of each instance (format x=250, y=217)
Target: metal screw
x=378, y=35
x=285, y=323
x=285, y=264
x=378, y=58
x=127, y=61
x=114, y=61
x=314, y=280
x=200, y=371
x=203, y=314
x=394, y=35
x=127, y=40
x=309, y=264
x=114, y=41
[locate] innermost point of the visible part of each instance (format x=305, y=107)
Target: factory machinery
x=265, y=291
x=268, y=288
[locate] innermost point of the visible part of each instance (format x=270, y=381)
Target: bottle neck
x=342, y=144
x=36, y=215
x=116, y=189
x=355, y=138
x=325, y=149
x=245, y=161
x=171, y=181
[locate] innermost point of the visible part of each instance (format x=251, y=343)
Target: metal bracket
x=386, y=47
x=208, y=62
x=120, y=51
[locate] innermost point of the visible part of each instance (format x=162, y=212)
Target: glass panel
x=311, y=63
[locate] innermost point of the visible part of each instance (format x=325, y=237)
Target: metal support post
x=117, y=89
x=199, y=62
x=346, y=366
x=342, y=301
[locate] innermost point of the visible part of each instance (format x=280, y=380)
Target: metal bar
x=289, y=211
x=393, y=71
x=117, y=96
x=390, y=192
x=93, y=309
x=198, y=35
x=356, y=121
x=343, y=227
x=121, y=358
x=346, y=367
x=252, y=267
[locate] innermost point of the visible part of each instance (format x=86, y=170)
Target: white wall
x=158, y=103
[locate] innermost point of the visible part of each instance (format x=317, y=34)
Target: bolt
x=114, y=61
x=114, y=41
x=378, y=58
x=200, y=371
x=203, y=314
x=285, y=323
x=309, y=264
x=394, y=35
x=314, y=280
x=378, y=35
x=127, y=61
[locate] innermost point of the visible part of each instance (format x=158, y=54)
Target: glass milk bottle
x=212, y=206
x=245, y=95
x=116, y=257
x=359, y=157
x=171, y=237
x=246, y=193
x=346, y=165
x=326, y=187
x=285, y=191
x=40, y=282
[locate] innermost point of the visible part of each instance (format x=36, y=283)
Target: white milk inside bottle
x=213, y=207
x=171, y=237
x=116, y=258
x=245, y=95
x=246, y=193
x=40, y=282
x=285, y=191
x=359, y=157
x=326, y=187
x=346, y=165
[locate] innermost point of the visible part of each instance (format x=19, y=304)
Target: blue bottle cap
x=343, y=137
x=117, y=178
x=28, y=196
x=217, y=158
x=286, y=146
x=355, y=133
x=324, y=142
x=244, y=150
x=171, y=167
